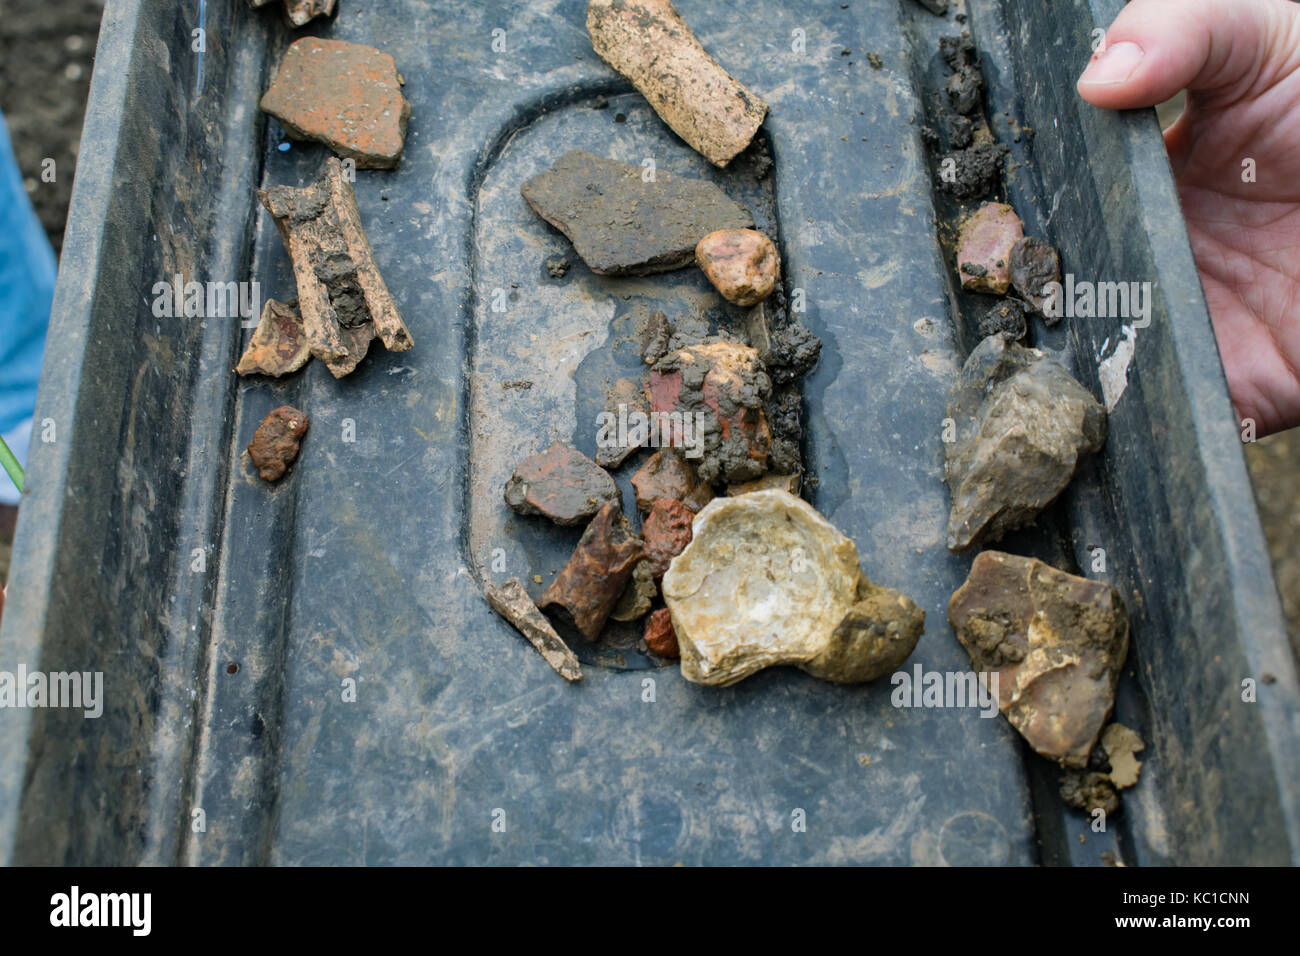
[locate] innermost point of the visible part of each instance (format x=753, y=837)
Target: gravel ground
x=46, y=54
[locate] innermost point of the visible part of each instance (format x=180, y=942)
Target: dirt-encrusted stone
x=1056, y=643
x=341, y=295
x=984, y=248
x=589, y=586
x=666, y=531
x=765, y=581
x=742, y=264
x=649, y=43
x=622, y=225
x=660, y=636
x=1007, y=318
x=1033, y=265
x=279, y=344
x=719, y=390
x=276, y=442
x=560, y=483
x=512, y=602
x=345, y=95
x=1022, y=425
x=667, y=474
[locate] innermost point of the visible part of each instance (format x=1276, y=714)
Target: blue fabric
x=27, y=269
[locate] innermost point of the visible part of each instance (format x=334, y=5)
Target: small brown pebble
x=741, y=263
x=660, y=636
x=666, y=531
x=276, y=442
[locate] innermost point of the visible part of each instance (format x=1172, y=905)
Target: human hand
x=1240, y=62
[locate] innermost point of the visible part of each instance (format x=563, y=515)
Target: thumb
x=1156, y=48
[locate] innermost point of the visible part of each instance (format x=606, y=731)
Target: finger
x=1156, y=48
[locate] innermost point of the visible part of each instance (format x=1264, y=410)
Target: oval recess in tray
x=546, y=349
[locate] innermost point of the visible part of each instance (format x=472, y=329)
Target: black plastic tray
x=224, y=684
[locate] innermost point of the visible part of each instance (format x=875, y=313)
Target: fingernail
x=1115, y=65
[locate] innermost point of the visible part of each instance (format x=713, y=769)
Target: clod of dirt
x=1007, y=318
x=653, y=335
x=765, y=581
x=874, y=60
x=667, y=474
x=787, y=483
x=648, y=42
x=718, y=391
x=512, y=602
x=958, y=129
x=341, y=295
x=984, y=248
x=588, y=588
x=1022, y=424
x=742, y=264
x=276, y=442
x=298, y=12
x=623, y=398
x=1032, y=265
x=1121, y=744
x=666, y=531
x=1088, y=791
x=785, y=420
x=975, y=171
x=557, y=267
x=660, y=636
x=560, y=483
x=622, y=225
x=959, y=52
x=638, y=595
x=788, y=351
x=964, y=88
x=1056, y=642
x=345, y=95
x=279, y=344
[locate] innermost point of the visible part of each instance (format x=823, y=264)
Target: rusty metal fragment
x=1056, y=643
x=345, y=95
x=279, y=344
x=650, y=44
x=512, y=602
x=587, y=589
x=341, y=294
